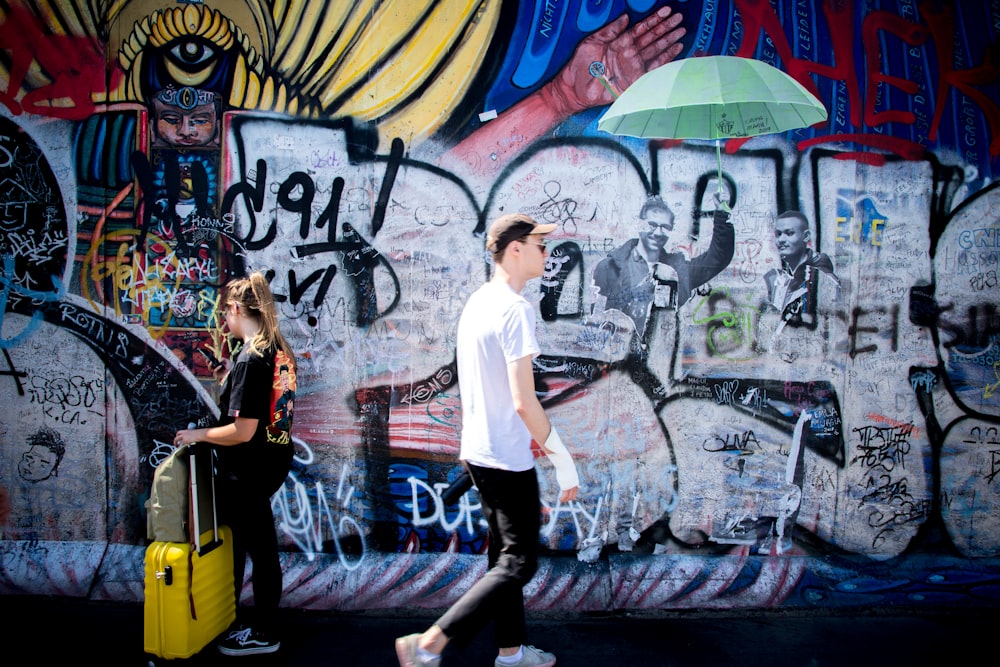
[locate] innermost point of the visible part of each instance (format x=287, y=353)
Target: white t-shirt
x=497, y=327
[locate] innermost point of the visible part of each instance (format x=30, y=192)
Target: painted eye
x=190, y=52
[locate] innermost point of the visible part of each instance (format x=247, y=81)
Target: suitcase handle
x=209, y=547
x=204, y=450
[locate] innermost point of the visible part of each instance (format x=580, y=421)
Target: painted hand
x=626, y=53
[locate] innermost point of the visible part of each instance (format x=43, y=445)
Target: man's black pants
x=511, y=505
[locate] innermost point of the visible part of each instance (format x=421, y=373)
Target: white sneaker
x=406, y=651
x=532, y=657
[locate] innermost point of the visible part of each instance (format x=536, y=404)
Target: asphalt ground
x=42, y=630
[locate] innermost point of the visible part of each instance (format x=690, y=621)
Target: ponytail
x=254, y=295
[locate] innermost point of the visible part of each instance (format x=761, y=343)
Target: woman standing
x=254, y=446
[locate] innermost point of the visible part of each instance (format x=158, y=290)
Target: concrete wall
x=841, y=451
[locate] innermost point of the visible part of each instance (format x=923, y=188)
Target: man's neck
x=502, y=275
x=650, y=252
x=792, y=263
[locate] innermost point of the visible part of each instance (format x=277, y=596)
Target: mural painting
x=794, y=403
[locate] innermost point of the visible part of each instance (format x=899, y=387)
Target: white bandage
x=562, y=461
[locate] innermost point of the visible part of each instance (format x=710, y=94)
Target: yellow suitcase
x=189, y=597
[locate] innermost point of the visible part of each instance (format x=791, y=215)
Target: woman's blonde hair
x=253, y=294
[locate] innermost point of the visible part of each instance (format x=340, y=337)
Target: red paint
x=74, y=65
x=938, y=24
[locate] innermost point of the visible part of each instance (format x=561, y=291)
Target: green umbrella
x=712, y=97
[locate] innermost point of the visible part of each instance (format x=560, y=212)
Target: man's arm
x=720, y=251
x=522, y=387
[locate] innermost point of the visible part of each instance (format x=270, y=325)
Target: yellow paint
x=125, y=273
x=876, y=235
x=404, y=64
x=395, y=79
x=425, y=114
x=843, y=225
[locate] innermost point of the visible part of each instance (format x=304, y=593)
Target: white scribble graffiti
x=307, y=525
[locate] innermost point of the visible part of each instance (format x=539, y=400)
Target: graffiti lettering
x=725, y=393
x=988, y=237
x=307, y=525
x=576, y=511
x=465, y=512
x=561, y=211
x=759, y=17
x=861, y=229
x=728, y=330
x=888, y=521
x=732, y=442
x=855, y=329
x=979, y=437
x=885, y=490
x=994, y=466
x=422, y=392
x=883, y=446
x=983, y=281
x=923, y=381
x=64, y=392
x=95, y=328
x=975, y=333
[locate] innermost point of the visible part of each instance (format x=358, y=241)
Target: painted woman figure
x=255, y=453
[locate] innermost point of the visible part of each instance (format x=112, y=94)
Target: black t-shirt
x=247, y=392
x=261, y=387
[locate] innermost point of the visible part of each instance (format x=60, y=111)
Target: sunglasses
x=541, y=244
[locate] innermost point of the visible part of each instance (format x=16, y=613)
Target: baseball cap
x=511, y=227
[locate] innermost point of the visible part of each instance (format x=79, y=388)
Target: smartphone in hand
x=210, y=358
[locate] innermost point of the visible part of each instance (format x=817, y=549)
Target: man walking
x=501, y=415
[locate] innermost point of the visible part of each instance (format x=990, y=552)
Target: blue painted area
x=545, y=34
x=543, y=39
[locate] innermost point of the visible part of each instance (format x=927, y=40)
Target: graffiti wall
x=795, y=404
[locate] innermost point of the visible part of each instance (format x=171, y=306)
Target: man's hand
x=568, y=494
x=562, y=461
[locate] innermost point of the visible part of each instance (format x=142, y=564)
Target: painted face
x=37, y=463
x=659, y=225
x=790, y=237
x=179, y=127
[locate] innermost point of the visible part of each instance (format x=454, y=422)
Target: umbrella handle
x=607, y=85
x=597, y=70
x=724, y=205
x=718, y=159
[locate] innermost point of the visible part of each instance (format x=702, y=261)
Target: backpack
x=167, y=506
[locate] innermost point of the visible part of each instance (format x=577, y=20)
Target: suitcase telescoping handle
x=202, y=488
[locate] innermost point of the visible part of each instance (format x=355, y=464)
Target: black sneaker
x=247, y=641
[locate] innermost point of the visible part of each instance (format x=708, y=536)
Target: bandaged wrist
x=562, y=461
